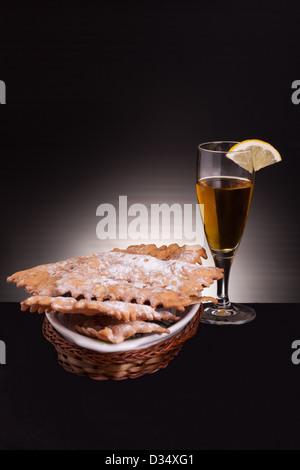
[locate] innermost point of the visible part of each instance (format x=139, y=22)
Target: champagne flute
x=224, y=191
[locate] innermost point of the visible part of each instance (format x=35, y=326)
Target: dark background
x=112, y=98
x=230, y=388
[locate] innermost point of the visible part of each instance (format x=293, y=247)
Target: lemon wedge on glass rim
x=254, y=154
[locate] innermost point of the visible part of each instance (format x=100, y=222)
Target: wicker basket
x=122, y=365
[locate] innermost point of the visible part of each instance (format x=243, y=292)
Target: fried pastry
x=120, y=276
x=119, y=310
x=118, y=333
x=188, y=253
x=115, y=295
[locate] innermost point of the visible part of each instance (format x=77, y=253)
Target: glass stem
x=223, y=260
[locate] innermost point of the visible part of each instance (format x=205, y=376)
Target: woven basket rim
x=67, y=330
x=178, y=338
x=104, y=366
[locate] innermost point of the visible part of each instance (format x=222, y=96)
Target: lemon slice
x=254, y=154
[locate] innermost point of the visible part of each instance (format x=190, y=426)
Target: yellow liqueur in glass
x=224, y=191
x=224, y=205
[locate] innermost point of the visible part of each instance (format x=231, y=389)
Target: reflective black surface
x=229, y=388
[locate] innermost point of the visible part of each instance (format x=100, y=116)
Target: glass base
x=235, y=314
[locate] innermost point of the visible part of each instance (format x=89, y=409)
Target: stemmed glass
x=224, y=192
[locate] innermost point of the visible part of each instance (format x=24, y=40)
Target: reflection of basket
x=121, y=365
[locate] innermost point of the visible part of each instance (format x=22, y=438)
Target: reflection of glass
x=224, y=192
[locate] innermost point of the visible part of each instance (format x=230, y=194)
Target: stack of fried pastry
x=118, y=294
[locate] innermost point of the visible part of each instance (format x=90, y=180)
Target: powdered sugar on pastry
x=188, y=253
x=114, y=309
x=120, y=276
x=118, y=333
